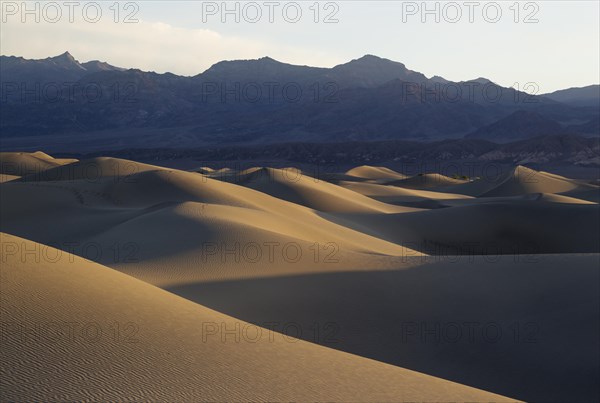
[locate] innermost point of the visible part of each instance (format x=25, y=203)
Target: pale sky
x=554, y=44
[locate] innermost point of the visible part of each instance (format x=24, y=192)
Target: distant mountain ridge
x=369, y=98
x=581, y=96
x=61, y=68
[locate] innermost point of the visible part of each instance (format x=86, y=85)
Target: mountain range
x=266, y=101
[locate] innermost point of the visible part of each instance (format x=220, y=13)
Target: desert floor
x=128, y=281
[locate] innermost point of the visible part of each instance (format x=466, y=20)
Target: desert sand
x=76, y=330
x=375, y=174
x=426, y=181
x=371, y=267
x=21, y=164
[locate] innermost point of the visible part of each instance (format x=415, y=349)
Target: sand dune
x=401, y=196
x=558, y=198
x=20, y=164
x=8, y=178
x=77, y=331
x=532, y=197
x=414, y=197
x=216, y=173
x=295, y=186
x=204, y=170
x=378, y=190
x=592, y=195
x=356, y=260
x=521, y=326
x=523, y=180
x=519, y=181
x=426, y=181
x=375, y=173
x=91, y=170
x=175, y=227
x=497, y=227
x=474, y=188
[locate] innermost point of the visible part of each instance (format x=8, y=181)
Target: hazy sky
x=554, y=44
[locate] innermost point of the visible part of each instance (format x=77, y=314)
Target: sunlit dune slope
x=8, y=178
x=377, y=174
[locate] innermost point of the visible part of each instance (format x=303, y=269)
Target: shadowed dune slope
x=522, y=326
x=531, y=197
x=20, y=164
x=73, y=330
x=592, y=195
x=557, y=198
x=499, y=227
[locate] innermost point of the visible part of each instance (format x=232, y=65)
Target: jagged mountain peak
x=65, y=60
